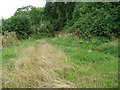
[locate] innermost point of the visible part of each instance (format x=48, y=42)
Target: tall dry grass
x=37, y=68
x=10, y=40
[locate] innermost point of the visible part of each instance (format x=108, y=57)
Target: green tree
x=24, y=10
x=20, y=24
x=97, y=19
x=36, y=15
x=59, y=13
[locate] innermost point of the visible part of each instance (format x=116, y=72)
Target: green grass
x=95, y=62
x=14, y=51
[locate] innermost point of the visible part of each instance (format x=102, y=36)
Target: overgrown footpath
x=61, y=62
x=35, y=67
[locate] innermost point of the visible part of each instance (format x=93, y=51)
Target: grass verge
x=14, y=51
x=95, y=62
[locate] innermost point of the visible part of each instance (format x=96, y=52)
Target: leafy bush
x=20, y=24
x=44, y=29
x=48, y=27
x=96, y=19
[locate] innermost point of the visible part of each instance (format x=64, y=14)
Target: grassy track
x=61, y=62
x=35, y=68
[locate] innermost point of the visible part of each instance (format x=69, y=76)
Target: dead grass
x=37, y=68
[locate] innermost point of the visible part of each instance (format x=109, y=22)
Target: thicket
x=91, y=19
x=96, y=19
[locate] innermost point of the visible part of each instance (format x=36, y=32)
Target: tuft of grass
x=95, y=61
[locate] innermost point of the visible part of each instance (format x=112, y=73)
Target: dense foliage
x=96, y=19
x=59, y=14
x=20, y=24
x=91, y=19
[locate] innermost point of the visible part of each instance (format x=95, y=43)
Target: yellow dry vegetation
x=37, y=68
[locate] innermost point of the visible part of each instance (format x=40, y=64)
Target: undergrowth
x=95, y=61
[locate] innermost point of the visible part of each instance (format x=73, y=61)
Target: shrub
x=20, y=24
x=97, y=19
x=47, y=27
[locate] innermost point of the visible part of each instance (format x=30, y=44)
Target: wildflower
x=89, y=51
